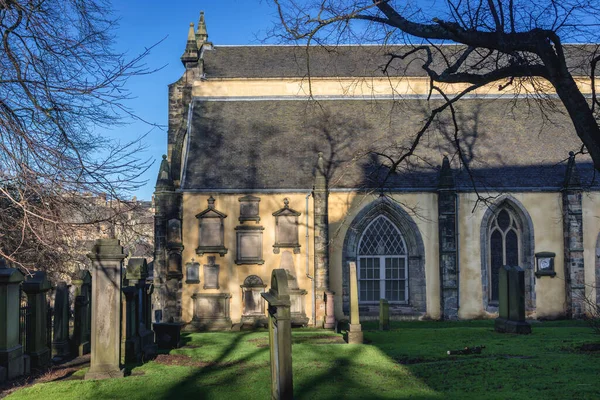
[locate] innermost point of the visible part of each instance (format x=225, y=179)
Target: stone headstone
x=82, y=323
x=355, y=334
x=36, y=287
x=511, y=296
x=280, y=336
x=384, y=315
x=60, y=338
x=329, y=310
x=11, y=352
x=107, y=257
x=253, y=305
x=297, y=295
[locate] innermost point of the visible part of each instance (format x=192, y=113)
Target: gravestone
x=143, y=343
x=355, y=334
x=329, y=310
x=35, y=288
x=12, y=362
x=253, y=304
x=511, y=297
x=130, y=340
x=107, y=262
x=280, y=336
x=384, y=315
x=82, y=319
x=60, y=338
x=297, y=295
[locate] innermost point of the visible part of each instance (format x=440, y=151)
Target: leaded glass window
x=505, y=246
x=382, y=272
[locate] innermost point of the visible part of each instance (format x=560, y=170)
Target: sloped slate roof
x=342, y=61
x=273, y=144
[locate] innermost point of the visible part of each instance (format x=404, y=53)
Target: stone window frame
x=248, y=231
x=526, y=249
x=417, y=299
x=382, y=258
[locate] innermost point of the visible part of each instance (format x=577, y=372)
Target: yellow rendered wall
x=545, y=210
x=231, y=275
x=591, y=228
x=352, y=86
x=422, y=207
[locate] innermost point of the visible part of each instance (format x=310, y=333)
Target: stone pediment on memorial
x=286, y=228
x=211, y=235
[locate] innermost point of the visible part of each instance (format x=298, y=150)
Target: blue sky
x=144, y=23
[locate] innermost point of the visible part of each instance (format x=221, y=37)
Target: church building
x=277, y=158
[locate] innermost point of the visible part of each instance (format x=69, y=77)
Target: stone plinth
x=36, y=288
x=355, y=334
x=330, y=311
x=211, y=311
x=280, y=336
x=11, y=352
x=107, y=261
x=60, y=337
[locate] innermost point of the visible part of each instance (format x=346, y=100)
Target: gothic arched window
x=382, y=263
x=504, y=246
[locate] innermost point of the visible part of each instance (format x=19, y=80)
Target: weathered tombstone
x=329, y=311
x=36, y=288
x=11, y=352
x=384, y=315
x=253, y=305
x=137, y=272
x=280, y=336
x=107, y=261
x=355, y=334
x=60, y=338
x=511, y=297
x=297, y=295
x=130, y=340
x=82, y=318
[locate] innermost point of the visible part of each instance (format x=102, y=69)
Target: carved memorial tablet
x=249, y=245
x=286, y=228
x=212, y=235
x=249, y=208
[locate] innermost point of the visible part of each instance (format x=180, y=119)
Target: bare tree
x=60, y=82
x=516, y=44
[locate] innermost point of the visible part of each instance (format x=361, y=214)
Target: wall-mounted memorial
x=192, y=272
x=211, y=274
x=252, y=301
x=249, y=245
x=212, y=234
x=249, y=209
x=286, y=228
x=211, y=311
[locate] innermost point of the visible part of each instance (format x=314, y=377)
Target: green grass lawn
x=410, y=361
